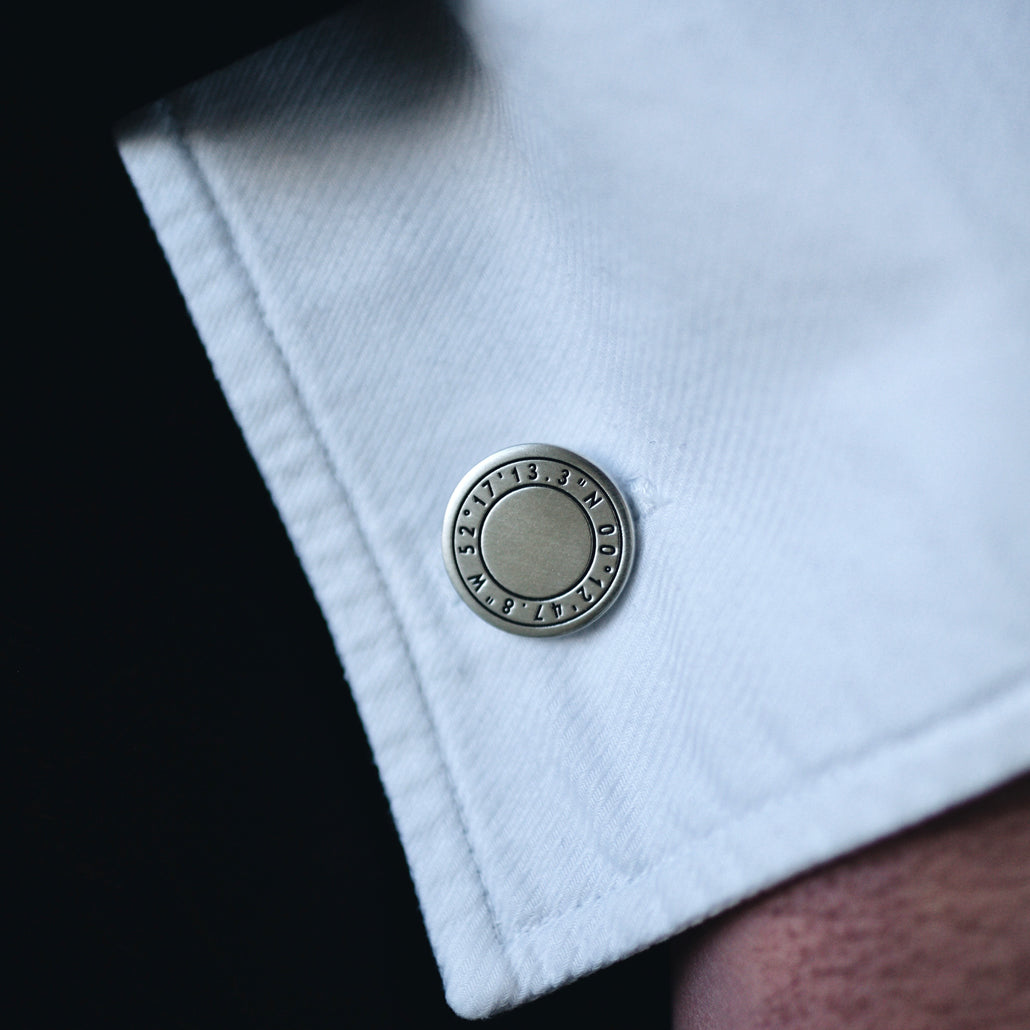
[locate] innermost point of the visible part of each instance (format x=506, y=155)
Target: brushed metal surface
x=538, y=540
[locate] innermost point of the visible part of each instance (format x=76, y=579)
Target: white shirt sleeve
x=769, y=267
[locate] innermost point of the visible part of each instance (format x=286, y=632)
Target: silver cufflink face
x=537, y=540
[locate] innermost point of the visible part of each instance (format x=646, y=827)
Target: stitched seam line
x=524, y=929
x=166, y=106
x=1001, y=687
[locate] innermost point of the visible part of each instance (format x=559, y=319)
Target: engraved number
x=466, y=530
x=564, y=477
x=532, y=471
x=583, y=593
x=508, y=605
x=488, y=485
x=467, y=550
x=515, y=473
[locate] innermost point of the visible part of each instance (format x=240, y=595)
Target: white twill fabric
x=768, y=265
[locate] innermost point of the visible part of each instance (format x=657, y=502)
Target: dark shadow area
x=381, y=63
x=202, y=836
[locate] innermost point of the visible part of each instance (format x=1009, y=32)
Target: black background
x=206, y=841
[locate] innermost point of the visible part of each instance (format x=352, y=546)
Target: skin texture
x=928, y=929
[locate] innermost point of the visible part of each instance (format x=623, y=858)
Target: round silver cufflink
x=538, y=540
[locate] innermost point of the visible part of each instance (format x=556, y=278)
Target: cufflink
x=538, y=540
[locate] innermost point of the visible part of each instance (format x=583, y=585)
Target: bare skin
x=929, y=930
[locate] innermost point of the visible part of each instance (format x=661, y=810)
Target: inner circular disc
x=537, y=542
